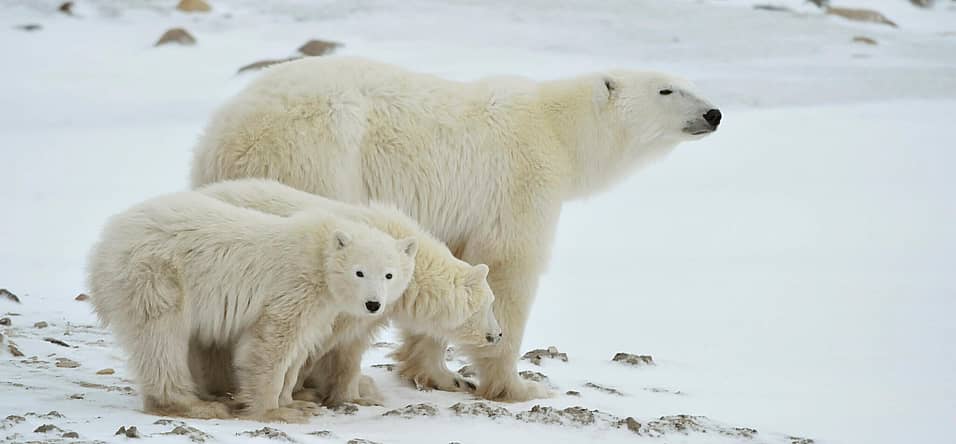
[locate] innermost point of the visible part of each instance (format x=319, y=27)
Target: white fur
x=485, y=166
x=187, y=268
x=447, y=298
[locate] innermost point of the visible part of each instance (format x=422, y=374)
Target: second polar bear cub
x=186, y=267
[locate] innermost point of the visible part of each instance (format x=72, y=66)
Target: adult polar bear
x=485, y=166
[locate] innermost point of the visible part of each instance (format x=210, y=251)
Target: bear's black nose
x=372, y=306
x=713, y=117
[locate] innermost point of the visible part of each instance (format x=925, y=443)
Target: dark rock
x=314, y=48
x=413, y=410
x=81, y=297
x=6, y=322
x=601, y=388
x=176, y=35
x=70, y=435
x=14, y=350
x=66, y=8
x=41, y=324
x=56, y=341
x=7, y=294
x=535, y=356
x=572, y=393
x=47, y=428
x=268, y=433
x=129, y=432
x=630, y=423
x=29, y=27
x=627, y=358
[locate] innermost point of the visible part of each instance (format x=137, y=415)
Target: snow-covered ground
x=792, y=273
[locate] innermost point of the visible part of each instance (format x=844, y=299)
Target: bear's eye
x=388, y=275
x=666, y=92
x=360, y=274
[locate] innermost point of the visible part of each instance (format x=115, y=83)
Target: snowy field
x=792, y=273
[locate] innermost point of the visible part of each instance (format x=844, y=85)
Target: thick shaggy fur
x=187, y=268
x=447, y=299
x=485, y=166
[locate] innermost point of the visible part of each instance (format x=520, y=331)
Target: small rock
x=105, y=371
x=627, y=358
x=176, y=35
x=388, y=367
x=413, y=410
x=14, y=350
x=66, y=363
x=322, y=434
x=29, y=27
x=56, y=341
x=66, y=8
x=549, y=415
x=864, y=40
x=572, y=393
x=773, y=8
x=48, y=415
x=71, y=435
x=129, y=432
x=4, y=293
x=480, y=409
x=41, y=324
x=922, y=3
x=535, y=356
x=264, y=63
x=601, y=388
x=630, y=423
x=269, y=433
x=81, y=297
x=193, y=6
x=11, y=421
x=860, y=15
x=77, y=396
x=799, y=440
x=361, y=441
x=194, y=434
x=533, y=376
x=5, y=322
x=47, y=428
x=314, y=48
x=169, y=422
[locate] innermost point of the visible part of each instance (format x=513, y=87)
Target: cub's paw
x=281, y=414
x=307, y=407
x=307, y=394
x=445, y=381
x=514, y=390
x=208, y=410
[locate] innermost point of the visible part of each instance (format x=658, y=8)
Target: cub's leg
x=264, y=355
x=337, y=376
x=289, y=384
x=421, y=361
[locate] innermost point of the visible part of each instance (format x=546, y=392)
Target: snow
x=791, y=273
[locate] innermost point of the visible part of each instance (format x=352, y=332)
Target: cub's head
x=652, y=107
x=367, y=269
x=470, y=321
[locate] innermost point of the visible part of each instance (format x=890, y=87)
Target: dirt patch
x=314, y=48
x=176, y=35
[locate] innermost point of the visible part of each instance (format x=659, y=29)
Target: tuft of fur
x=485, y=166
x=447, y=298
x=185, y=269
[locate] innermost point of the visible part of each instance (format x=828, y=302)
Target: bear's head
x=454, y=304
x=367, y=269
x=650, y=105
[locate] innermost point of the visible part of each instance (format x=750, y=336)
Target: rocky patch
x=8, y=295
x=66, y=363
x=129, y=432
x=535, y=356
x=192, y=433
x=603, y=389
x=413, y=410
x=480, y=408
x=267, y=433
x=636, y=360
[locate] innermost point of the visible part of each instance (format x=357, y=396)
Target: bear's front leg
x=264, y=356
x=337, y=376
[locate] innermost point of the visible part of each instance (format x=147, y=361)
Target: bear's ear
x=610, y=85
x=341, y=239
x=409, y=246
x=604, y=90
x=479, y=273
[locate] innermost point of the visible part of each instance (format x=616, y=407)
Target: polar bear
x=485, y=165
x=446, y=299
x=186, y=267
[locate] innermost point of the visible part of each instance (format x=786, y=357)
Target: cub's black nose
x=372, y=306
x=713, y=117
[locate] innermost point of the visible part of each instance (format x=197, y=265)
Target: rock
x=11, y=421
x=47, y=428
x=4, y=293
x=322, y=434
x=314, y=48
x=820, y=3
x=129, y=432
x=14, y=350
x=630, y=423
x=264, y=63
x=105, y=371
x=533, y=376
x=6, y=322
x=922, y=3
x=864, y=40
x=345, y=409
x=860, y=15
x=268, y=433
x=480, y=408
x=413, y=410
x=549, y=415
x=41, y=324
x=535, y=356
x=572, y=393
x=29, y=27
x=627, y=358
x=601, y=388
x=70, y=435
x=773, y=8
x=66, y=8
x=387, y=367
x=52, y=414
x=193, y=6
x=361, y=441
x=82, y=297
x=66, y=363
x=194, y=434
x=176, y=35
x=685, y=424
x=56, y=341
x=77, y=396
x=799, y=440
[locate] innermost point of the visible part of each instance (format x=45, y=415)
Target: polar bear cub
x=447, y=298
x=185, y=267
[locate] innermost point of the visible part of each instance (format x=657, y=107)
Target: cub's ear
x=479, y=273
x=341, y=239
x=409, y=246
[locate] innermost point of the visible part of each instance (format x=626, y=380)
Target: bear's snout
x=372, y=306
x=713, y=117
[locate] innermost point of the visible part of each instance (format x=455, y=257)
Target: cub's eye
x=360, y=274
x=388, y=275
x=666, y=92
